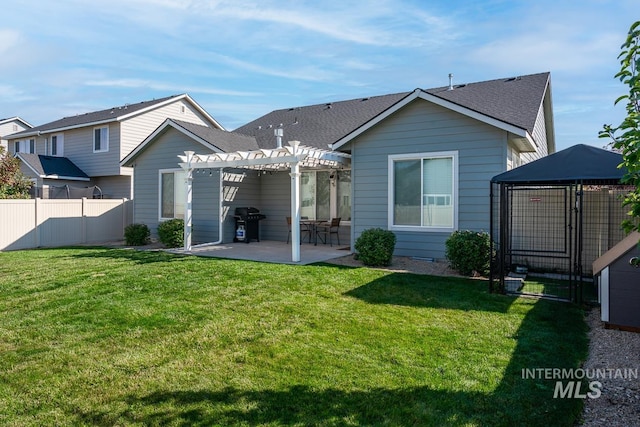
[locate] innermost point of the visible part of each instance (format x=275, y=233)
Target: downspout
x=188, y=182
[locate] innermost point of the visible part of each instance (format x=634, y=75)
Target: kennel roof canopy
x=579, y=163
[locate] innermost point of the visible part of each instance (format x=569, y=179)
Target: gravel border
x=619, y=403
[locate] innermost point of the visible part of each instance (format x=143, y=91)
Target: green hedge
x=375, y=247
x=468, y=252
x=171, y=233
x=137, y=235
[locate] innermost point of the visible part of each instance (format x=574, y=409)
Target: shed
x=554, y=216
x=618, y=276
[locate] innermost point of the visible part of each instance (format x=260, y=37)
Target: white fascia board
x=35, y=172
x=418, y=93
x=17, y=119
x=160, y=129
x=68, y=178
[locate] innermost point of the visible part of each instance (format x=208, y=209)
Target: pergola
x=293, y=157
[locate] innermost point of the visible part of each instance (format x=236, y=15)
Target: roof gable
x=16, y=119
x=113, y=114
x=215, y=140
x=511, y=104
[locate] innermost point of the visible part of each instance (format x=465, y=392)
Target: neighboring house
x=9, y=126
x=421, y=163
x=95, y=143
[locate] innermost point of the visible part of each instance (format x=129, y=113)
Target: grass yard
x=99, y=336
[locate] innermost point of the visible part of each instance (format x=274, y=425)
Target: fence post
x=84, y=220
x=36, y=225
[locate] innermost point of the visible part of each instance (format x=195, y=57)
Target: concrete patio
x=269, y=251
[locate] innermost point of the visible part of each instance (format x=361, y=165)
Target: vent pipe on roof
x=450, y=81
x=278, y=133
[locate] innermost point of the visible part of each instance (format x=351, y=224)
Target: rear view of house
x=418, y=163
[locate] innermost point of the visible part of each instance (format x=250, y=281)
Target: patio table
x=313, y=224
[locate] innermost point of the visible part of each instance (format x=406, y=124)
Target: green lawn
x=98, y=336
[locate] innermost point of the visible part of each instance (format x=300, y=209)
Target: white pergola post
x=295, y=205
x=188, y=182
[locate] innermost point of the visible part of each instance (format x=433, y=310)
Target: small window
x=101, y=139
x=56, y=145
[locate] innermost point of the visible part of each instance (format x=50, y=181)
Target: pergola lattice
x=293, y=157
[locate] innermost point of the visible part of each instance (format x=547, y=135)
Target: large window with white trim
x=172, y=194
x=423, y=191
x=326, y=194
x=101, y=139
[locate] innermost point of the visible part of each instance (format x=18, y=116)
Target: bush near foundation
x=375, y=247
x=171, y=233
x=137, y=235
x=468, y=252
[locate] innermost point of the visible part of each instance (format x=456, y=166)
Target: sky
x=240, y=59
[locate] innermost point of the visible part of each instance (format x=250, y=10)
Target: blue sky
x=240, y=59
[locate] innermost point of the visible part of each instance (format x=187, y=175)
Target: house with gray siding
x=420, y=163
x=11, y=125
x=96, y=142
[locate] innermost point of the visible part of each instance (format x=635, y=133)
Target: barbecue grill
x=249, y=219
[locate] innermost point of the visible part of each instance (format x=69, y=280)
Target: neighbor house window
x=101, y=139
x=25, y=146
x=56, y=145
x=423, y=191
x=172, y=194
x=326, y=194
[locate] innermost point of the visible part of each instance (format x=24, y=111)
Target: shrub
x=469, y=252
x=171, y=233
x=136, y=234
x=375, y=247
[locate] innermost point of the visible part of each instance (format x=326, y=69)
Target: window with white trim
x=101, y=139
x=326, y=194
x=25, y=146
x=56, y=145
x=423, y=191
x=172, y=194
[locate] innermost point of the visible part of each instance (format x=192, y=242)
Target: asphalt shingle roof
x=515, y=101
x=93, y=117
x=225, y=141
x=52, y=166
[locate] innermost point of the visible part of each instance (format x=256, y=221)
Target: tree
x=13, y=183
x=626, y=136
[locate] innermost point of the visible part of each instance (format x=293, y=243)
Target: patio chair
x=327, y=229
x=304, y=229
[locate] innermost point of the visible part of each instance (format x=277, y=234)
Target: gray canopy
x=579, y=163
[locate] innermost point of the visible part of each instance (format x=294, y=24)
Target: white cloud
x=8, y=40
x=166, y=87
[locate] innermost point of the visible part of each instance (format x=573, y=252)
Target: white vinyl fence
x=36, y=223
